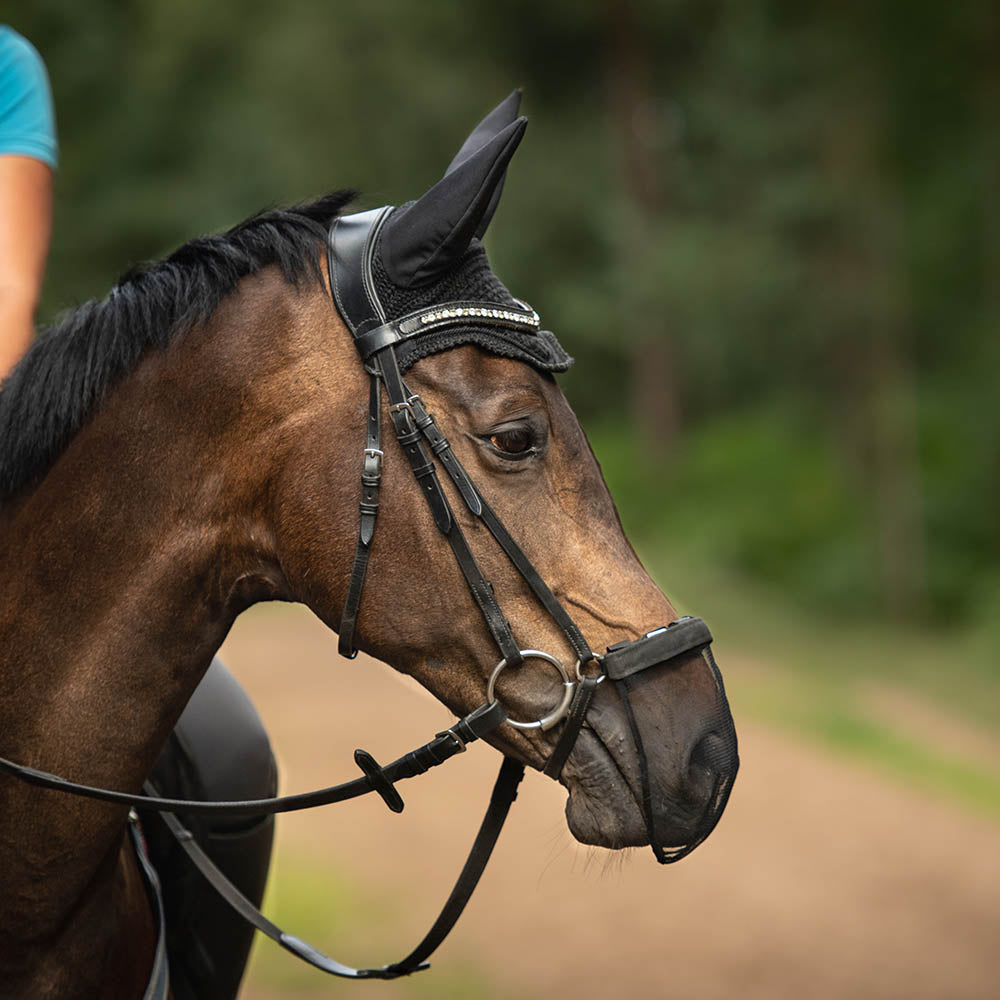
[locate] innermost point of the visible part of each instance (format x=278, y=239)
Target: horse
x=190, y=445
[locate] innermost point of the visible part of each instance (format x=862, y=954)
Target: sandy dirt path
x=822, y=880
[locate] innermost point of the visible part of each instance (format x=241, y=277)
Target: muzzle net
x=684, y=781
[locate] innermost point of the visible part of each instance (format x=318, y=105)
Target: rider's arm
x=28, y=155
x=25, y=225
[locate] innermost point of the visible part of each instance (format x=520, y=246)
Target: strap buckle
x=407, y=405
x=459, y=742
x=373, y=463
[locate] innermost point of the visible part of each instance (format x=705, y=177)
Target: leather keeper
x=374, y=340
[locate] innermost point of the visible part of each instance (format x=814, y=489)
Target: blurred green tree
x=769, y=229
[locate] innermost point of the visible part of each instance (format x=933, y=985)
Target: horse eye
x=516, y=441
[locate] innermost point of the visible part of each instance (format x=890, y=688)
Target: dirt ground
x=823, y=880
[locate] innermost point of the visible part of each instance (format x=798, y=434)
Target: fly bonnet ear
x=426, y=238
x=498, y=119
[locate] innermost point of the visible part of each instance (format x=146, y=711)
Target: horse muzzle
x=667, y=730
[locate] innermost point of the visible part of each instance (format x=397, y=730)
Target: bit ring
x=559, y=712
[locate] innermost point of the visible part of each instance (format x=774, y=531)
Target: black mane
x=67, y=372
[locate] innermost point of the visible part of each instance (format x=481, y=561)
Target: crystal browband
x=481, y=312
x=450, y=314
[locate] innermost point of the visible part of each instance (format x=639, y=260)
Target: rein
x=351, y=247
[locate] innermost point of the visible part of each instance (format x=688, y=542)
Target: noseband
x=379, y=339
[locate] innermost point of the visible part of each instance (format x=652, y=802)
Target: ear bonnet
x=417, y=276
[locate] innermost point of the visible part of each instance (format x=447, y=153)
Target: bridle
x=351, y=249
x=351, y=246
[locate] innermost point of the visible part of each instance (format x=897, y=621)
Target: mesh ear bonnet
x=471, y=281
x=416, y=277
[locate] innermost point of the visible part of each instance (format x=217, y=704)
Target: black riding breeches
x=219, y=750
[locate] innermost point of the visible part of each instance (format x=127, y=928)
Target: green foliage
x=819, y=249
x=975, y=784
x=756, y=493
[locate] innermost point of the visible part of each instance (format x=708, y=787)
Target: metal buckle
x=458, y=739
x=376, y=455
x=406, y=405
x=558, y=713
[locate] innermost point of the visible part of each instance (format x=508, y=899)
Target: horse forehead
x=469, y=377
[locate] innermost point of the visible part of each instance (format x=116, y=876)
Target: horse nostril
x=717, y=753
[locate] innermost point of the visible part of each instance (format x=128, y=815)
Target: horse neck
x=130, y=560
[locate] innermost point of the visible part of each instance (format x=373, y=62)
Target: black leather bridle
x=351, y=248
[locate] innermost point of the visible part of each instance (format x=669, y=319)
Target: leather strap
x=410, y=438
x=444, y=314
x=582, y=698
x=352, y=239
x=684, y=635
x=443, y=747
x=478, y=506
x=504, y=793
x=374, y=340
x=442, y=448
x=538, y=586
x=158, y=987
x=371, y=479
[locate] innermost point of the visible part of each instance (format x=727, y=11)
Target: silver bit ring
x=559, y=712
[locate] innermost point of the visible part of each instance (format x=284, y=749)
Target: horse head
x=463, y=361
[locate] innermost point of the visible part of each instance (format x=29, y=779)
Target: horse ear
x=426, y=237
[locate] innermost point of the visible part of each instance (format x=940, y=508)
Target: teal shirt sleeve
x=27, y=118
